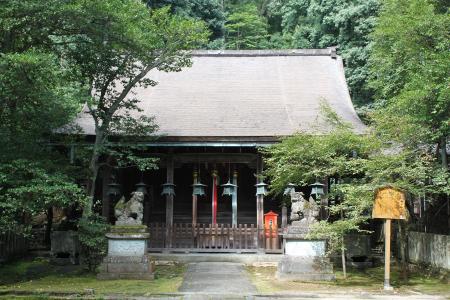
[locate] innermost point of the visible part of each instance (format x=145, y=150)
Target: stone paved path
x=217, y=277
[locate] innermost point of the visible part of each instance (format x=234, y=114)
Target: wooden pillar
x=147, y=205
x=234, y=201
x=194, y=201
x=283, y=216
x=169, y=203
x=106, y=199
x=259, y=204
x=387, y=254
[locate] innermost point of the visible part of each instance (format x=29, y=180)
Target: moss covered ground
x=369, y=280
x=40, y=277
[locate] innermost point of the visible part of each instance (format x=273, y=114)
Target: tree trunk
x=93, y=171
x=344, y=267
x=48, y=227
x=444, y=162
x=403, y=246
x=443, y=146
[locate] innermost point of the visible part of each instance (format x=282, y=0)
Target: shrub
x=93, y=243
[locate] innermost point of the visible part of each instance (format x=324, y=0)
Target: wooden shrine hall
x=208, y=194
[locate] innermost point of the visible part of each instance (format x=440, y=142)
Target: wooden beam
x=245, y=158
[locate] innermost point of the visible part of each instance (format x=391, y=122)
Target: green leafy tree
x=93, y=244
x=210, y=11
x=409, y=71
x=245, y=29
x=304, y=158
x=360, y=163
x=106, y=48
x=410, y=66
x=118, y=44
x=346, y=24
x=31, y=187
x=37, y=98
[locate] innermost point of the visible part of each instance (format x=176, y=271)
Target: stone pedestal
x=127, y=254
x=304, y=260
x=64, y=248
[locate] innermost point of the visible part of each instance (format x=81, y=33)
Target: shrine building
x=206, y=195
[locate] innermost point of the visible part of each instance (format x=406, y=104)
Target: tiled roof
x=247, y=94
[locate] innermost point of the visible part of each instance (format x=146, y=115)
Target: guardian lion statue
x=130, y=212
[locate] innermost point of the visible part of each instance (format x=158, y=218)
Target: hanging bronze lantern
x=317, y=189
x=198, y=189
x=113, y=189
x=228, y=188
x=289, y=189
x=168, y=189
x=261, y=189
x=141, y=187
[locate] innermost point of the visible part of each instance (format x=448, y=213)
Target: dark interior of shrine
x=155, y=203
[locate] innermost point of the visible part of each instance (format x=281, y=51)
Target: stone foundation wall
x=431, y=249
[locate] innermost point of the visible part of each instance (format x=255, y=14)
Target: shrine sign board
x=389, y=204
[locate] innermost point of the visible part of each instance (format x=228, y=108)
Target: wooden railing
x=213, y=238
x=12, y=245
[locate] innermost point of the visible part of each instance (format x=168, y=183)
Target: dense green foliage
x=31, y=186
x=358, y=165
x=56, y=56
x=93, y=244
x=245, y=29
x=37, y=96
x=405, y=143
x=210, y=11
x=111, y=62
x=320, y=24
x=410, y=67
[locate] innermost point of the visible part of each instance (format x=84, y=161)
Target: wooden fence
x=212, y=238
x=12, y=245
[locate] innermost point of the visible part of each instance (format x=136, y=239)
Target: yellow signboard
x=389, y=204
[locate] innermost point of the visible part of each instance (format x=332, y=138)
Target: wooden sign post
x=389, y=204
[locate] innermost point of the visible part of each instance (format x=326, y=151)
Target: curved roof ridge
x=331, y=51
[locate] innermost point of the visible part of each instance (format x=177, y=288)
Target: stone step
x=247, y=259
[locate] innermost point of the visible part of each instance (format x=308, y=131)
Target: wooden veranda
x=218, y=238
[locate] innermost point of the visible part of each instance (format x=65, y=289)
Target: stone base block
x=305, y=268
x=127, y=267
